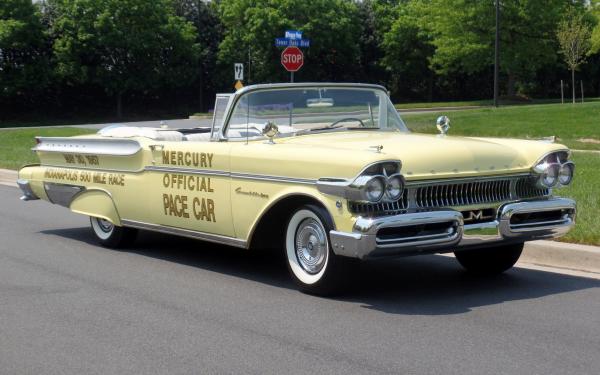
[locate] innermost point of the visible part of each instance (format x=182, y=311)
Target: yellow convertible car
x=327, y=173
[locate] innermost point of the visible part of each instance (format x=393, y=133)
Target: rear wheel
x=490, y=261
x=311, y=262
x=110, y=235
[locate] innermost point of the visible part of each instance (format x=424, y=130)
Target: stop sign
x=292, y=59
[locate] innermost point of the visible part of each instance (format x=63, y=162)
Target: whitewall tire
x=110, y=235
x=311, y=262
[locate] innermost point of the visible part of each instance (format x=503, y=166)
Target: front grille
x=483, y=193
x=525, y=188
x=462, y=194
x=382, y=208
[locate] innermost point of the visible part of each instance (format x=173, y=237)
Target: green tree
x=595, y=37
x=252, y=25
x=574, y=38
x=204, y=16
x=408, y=49
x=123, y=45
x=23, y=58
x=462, y=32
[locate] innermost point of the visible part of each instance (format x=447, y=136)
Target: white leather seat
x=199, y=137
x=134, y=131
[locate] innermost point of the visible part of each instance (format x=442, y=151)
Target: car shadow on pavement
x=423, y=285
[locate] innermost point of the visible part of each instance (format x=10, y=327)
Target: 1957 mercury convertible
x=328, y=173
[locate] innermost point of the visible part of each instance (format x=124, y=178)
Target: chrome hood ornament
x=270, y=131
x=443, y=125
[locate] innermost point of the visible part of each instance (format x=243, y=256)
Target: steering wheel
x=362, y=124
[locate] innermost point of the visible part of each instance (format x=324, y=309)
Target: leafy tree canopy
x=23, y=62
x=463, y=33
x=251, y=26
x=123, y=45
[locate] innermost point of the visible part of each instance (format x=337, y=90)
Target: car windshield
x=303, y=110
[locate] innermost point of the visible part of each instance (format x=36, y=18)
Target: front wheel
x=310, y=260
x=490, y=261
x=110, y=235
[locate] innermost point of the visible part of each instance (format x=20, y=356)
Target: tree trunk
x=573, y=83
x=119, y=105
x=510, y=85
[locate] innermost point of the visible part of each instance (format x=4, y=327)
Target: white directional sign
x=238, y=70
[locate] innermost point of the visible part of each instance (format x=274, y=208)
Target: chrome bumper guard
x=445, y=231
x=28, y=194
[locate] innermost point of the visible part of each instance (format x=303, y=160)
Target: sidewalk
x=8, y=177
x=573, y=257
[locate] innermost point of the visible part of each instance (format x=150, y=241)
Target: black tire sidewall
x=490, y=261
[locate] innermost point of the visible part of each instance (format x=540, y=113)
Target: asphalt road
x=177, y=306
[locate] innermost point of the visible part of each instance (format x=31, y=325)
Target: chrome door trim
x=262, y=177
x=211, y=172
x=215, y=238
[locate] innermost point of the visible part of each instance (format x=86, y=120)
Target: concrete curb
x=562, y=255
x=8, y=177
x=541, y=253
x=204, y=117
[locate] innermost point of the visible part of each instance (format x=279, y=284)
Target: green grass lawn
x=586, y=191
x=15, y=145
x=570, y=123
x=482, y=103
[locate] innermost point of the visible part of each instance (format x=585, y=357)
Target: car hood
x=433, y=156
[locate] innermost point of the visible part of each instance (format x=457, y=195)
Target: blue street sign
x=287, y=42
x=293, y=34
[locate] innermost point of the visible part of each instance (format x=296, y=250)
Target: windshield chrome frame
x=308, y=85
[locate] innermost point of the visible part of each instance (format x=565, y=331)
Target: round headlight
x=565, y=175
x=374, y=189
x=550, y=176
x=394, y=188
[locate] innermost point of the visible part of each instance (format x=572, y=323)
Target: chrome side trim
x=215, y=238
x=93, y=169
x=261, y=177
x=115, y=147
x=209, y=172
x=62, y=194
x=28, y=194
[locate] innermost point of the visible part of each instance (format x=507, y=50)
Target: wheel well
x=273, y=221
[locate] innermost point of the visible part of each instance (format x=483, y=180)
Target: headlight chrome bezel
x=386, y=173
x=548, y=170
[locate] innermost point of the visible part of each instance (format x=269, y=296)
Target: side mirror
x=270, y=131
x=443, y=124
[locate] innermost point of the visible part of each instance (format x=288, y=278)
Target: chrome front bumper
x=445, y=231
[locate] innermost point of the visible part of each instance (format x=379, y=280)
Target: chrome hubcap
x=105, y=225
x=311, y=245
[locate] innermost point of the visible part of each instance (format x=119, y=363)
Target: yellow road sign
x=238, y=85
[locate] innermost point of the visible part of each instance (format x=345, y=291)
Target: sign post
x=292, y=57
